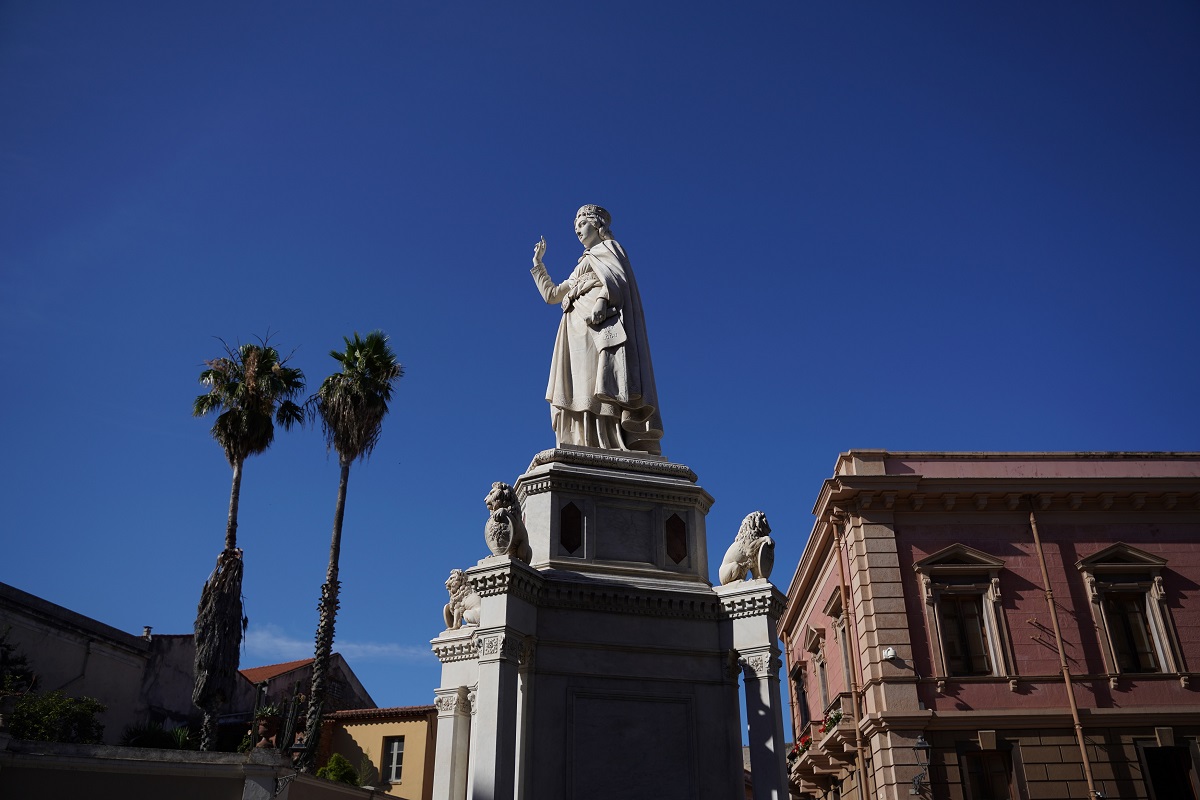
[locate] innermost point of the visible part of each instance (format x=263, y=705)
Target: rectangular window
x=964, y=639
x=844, y=643
x=968, y=626
x=800, y=681
x=1129, y=627
x=393, y=758
x=822, y=684
x=1170, y=772
x=987, y=775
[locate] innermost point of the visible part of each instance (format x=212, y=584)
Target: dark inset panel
x=570, y=528
x=676, y=538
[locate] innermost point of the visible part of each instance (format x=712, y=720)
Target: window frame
x=1010, y=755
x=837, y=616
x=1124, y=570
x=961, y=570
x=392, y=772
x=814, y=643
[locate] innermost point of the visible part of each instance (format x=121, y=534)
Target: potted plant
x=268, y=718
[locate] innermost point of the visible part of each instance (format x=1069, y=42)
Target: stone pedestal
x=754, y=608
x=609, y=666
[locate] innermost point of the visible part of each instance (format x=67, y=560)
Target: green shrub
x=54, y=717
x=153, y=734
x=338, y=769
x=150, y=734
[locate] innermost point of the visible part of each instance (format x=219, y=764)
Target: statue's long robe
x=601, y=389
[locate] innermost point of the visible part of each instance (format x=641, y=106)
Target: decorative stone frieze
x=1066, y=498
x=753, y=605
x=457, y=650
x=629, y=463
x=650, y=605
x=521, y=585
x=547, y=483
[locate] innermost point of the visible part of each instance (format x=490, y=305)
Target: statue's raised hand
x=539, y=250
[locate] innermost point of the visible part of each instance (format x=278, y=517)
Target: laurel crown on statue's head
x=595, y=212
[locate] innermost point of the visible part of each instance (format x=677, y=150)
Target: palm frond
x=250, y=388
x=351, y=404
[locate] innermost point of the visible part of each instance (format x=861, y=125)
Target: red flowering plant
x=831, y=720
x=802, y=745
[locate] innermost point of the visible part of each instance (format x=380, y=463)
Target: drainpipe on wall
x=1062, y=654
x=855, y=667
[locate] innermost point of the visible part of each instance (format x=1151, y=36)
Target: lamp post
x=921, y=750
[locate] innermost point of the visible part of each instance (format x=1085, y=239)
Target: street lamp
x=921, y=750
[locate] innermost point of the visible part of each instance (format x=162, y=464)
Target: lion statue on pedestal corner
x=753, y=550
x=463, y=608
x=505, y=530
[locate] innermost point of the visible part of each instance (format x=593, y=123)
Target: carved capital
x=525, y=651
x=448, y=703
x=499, y=647
x=760, y=665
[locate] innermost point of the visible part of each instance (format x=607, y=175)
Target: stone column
x=508, y=614
x=524, y=701
x=453, y=744
x=496, y=716
x=754, y=608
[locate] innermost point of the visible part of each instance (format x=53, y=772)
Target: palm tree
x=351, y=405
x=251, y=388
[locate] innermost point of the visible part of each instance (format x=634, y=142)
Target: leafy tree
x=351, y=405
x=251, y=389
x=54, y=717
x=16, y=677
x=338, y=769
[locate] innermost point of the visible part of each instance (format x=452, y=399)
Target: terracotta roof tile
x=259, y=674
x=376, y=713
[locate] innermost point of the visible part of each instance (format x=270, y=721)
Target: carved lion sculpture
x=505, y=530
x=752, y=550
x=463, y=608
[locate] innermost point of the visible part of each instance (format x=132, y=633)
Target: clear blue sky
x=944, y=226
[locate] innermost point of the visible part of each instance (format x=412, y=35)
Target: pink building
x=924, y=657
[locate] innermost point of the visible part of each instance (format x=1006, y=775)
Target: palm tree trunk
x=218, y=630
x=218, y=636
x=328, y=613
x=235, y=494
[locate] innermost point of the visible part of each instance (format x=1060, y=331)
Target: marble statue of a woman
x=601, y=390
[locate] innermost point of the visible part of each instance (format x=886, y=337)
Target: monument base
x=609, y=666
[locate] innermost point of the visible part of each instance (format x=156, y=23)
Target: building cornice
x=916, y=494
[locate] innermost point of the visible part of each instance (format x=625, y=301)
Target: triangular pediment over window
x=958, y=558
x=1120, y=556
x=814, y=638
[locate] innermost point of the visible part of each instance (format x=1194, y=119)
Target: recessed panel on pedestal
x=630, y=746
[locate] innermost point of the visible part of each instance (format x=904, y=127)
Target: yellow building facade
x=394, y=744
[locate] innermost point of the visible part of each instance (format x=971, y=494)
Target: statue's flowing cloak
x=604, y=371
